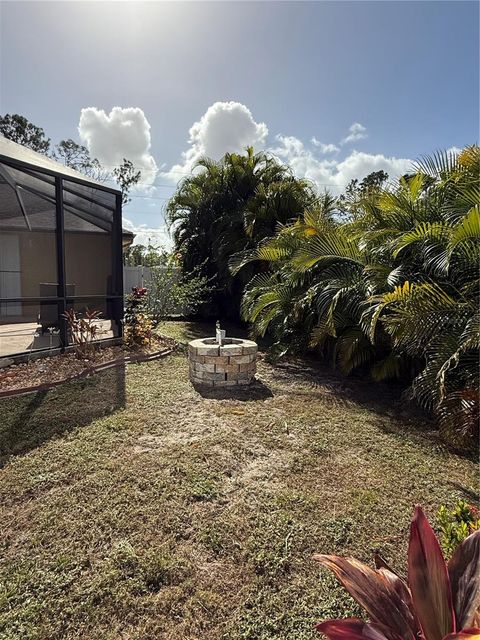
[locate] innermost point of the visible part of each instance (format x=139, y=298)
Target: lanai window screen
x=60, y=248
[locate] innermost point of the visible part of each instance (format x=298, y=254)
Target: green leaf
x=467, y=230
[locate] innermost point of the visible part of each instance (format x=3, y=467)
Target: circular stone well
x=231, y=364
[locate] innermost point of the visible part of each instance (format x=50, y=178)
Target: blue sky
x=378, y=82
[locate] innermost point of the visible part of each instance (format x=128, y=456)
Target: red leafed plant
x=440, y=602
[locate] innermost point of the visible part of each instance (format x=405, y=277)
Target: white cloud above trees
x=230, y=126
x=224, y=127
x=122, y=133
x=334, y=174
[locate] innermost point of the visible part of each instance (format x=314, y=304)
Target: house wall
x=30, y=259
x=88, y=263
x=88, y=266
x=38, y=261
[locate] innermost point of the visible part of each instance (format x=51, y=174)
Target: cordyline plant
x=83, y=330
x=440, y=602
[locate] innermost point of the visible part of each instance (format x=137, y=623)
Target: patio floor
x=27, y=336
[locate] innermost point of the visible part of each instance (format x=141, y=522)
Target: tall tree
x=229, y=206
x=146, y=256
x=349, y=203
x=127, y=177
x=18, y=129
x=76, y=156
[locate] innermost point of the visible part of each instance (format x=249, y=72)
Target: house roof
x=11, y=151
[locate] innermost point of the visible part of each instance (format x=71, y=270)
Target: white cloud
x=356, y=132
x=144, y=234
x=454, y=150
x=122, y=133
x=230, y=127
x=336, y=174
x=325, y=148
x=224, y=127
x=227, y=127
x=359, y=164
x=303, y=162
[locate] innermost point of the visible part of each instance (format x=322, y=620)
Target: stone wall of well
x=233, y=363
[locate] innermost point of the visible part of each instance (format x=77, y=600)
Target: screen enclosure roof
x=16, y=153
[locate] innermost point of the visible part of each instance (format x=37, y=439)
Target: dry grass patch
x=133, y=507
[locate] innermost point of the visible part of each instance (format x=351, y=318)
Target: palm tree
x=227, y=207
x=395, y=288
x=434, y=314
x=313, y=293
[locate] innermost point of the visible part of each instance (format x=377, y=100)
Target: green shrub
x=456, y=524
x=171, y=294
x=138, y=324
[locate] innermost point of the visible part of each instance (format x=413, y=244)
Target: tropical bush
x=389, y=284
x=440, y=601
x=457, y=524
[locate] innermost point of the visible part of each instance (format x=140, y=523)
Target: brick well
x=231, y=364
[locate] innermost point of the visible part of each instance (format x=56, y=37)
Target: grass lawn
x=133, y=508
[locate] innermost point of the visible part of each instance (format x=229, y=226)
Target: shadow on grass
x=469, y=493
x=248, y=393
x=28, y=421
x=382, y=397
x=398, y=414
